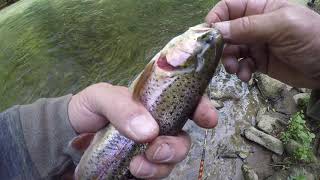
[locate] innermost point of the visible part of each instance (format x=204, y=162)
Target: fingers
x=231, y=55
x=205, y=115
x=140, y=167
x=115, y=104
x=92, y=108
x=249, y=29
x=246, y=68
x=231, y=64
x=169, y=149
x=246, y=21
x=232, y=9
x=243, y=68
x=160, y=156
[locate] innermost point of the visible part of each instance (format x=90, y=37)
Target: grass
x=299, y=132
x=298, y=177
x=303, y=103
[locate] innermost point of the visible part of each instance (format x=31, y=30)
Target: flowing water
x=51, y=48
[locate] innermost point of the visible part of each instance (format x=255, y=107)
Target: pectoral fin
x=78, y=145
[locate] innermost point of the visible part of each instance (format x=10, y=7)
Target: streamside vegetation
x=299, y=132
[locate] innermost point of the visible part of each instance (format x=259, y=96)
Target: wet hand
x=275, y=37
x=100, y=104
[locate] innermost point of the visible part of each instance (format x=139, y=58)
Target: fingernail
x=145, y=171
x=142, y=127
x=224, y=28
x=163, y=153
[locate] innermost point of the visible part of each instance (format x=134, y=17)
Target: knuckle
x=95, y=88
x=288, y=16
x=136, y=110
x=185, y=150
x=291, y=19
x=134, y=165
x=163, y=139
x=164, y=171
x=101, y=85
x=247, y=24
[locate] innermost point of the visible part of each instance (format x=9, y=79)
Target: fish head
x=194, y=53
x=186, y=53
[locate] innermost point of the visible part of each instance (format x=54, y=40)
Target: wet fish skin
x=171, y=94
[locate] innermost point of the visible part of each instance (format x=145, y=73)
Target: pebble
x=265, y=140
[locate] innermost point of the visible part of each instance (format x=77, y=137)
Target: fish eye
x=207, y=38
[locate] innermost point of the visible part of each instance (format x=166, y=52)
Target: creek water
x=50, y=48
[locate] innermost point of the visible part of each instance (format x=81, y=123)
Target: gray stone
x=261, y=112
x=248, y=173
x=304, y=90
x=229, y=156
x=268, y=124
x=285, y=103
x=269, y=87
x=280, y=175
x=265, y=140
x=226, y=95
x=217, y=104
x=276, y=158
x=243, y=155
x=300, y=96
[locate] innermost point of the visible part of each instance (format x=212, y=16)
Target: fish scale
x=170, y=93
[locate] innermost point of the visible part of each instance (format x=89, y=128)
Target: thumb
x=249, y=29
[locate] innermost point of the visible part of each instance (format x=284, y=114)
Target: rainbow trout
x=170, y=87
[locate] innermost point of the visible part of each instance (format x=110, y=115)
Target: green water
x=51, y=48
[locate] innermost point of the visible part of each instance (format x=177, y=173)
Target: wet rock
x=234, y=155
x=269, y=124
x=302, y=96
x=225, y=95
x=269, y=87
x=285, y=103
x=265, y=140
x=276, y=158
x=217, y=104
x=280, y=175
x=243, y=155
x=304, y=90
x=248, y=173
x=251, y=82
x=261, y=112
x=229, y=156
x=226, y=87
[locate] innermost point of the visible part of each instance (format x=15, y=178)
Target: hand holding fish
x=100, y=104
x=275, y=37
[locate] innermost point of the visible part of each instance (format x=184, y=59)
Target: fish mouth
x=163, y=64
x=182, y=60
x=187, y=53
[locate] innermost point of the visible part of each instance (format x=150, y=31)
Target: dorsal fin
x=141, y=81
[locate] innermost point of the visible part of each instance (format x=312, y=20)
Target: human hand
x=275, y=37
x=100, y=104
